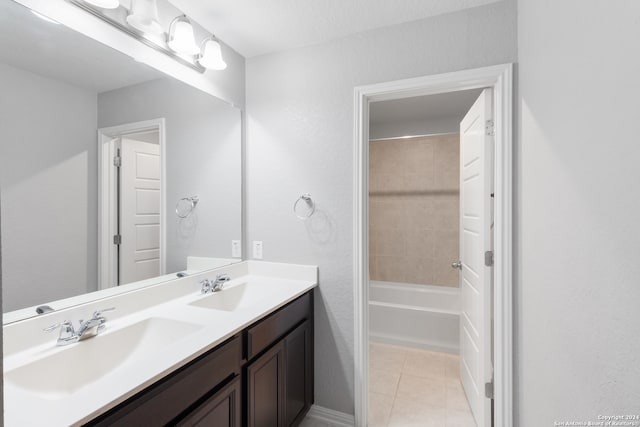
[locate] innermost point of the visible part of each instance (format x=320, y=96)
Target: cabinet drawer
x=165, y=400
x=267, y=331
x=220, y=410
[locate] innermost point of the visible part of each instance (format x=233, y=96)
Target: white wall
x=402, y=128
x=578, y=244
x=47, y=177
x=203, y=158
x=300, y=139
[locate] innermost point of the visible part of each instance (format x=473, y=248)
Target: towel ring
x=186, y=205
x=311, y=206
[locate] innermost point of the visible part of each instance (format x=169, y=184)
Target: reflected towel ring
x=311, y=206
x=186, y=205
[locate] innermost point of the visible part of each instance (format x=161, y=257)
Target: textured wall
x=578, y=275
x=414, y=210
x=300, y=139
x=47, y=176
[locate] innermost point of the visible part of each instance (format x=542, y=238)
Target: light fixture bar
x=113, y=18
x=44, y=18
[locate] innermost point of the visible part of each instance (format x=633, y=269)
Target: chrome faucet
x=86, y=329
x=216, y=285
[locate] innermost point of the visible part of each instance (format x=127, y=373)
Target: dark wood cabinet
x=220, y=410
x=298, y=372
x=267, y=331
x=262, y=377
x=280, y=382
x=265, y=389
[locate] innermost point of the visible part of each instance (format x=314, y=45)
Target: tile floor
x=310, y=422
x=413, y=388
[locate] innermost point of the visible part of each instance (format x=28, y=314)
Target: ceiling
x=57, y=52
x=256, y=27
x=429, y=107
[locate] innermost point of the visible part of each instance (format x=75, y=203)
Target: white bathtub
x=415, y=315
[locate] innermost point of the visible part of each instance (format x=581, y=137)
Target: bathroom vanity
x=270, y=363
x=170, y=355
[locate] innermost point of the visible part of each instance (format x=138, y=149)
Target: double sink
x=64, y=371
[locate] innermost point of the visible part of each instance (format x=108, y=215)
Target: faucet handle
x=98, y=313
x=218, y=285
x=205, y=286
x=64, y=324
x=67, y=332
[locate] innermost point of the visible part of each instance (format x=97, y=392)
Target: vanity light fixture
x=180, y=38
x=104, y=4
x=211, y=54
x=144, y=16
x=141, y=21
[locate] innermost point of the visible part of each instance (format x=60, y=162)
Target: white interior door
x=140, y=182
x=476, y=186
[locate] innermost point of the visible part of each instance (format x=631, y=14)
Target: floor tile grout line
x=445, y=382
x=393, y=405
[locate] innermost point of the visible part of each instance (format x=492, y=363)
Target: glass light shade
x=211, y=56
x=144, y=16
x=181, y=38
x=105, y=4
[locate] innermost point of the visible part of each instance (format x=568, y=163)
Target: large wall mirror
x=112, y=175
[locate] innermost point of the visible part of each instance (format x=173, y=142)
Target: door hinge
x=117, y=239
x=488, y=390
x=489, y=128
x=117, y=161
x=488, y=258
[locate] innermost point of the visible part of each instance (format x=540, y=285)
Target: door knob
x=457, y=265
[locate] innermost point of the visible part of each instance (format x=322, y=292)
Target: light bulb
x=211, y=56
x=144, y=16
x=181, y=38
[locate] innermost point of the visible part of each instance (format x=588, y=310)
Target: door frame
x=107, y=255
x=500, y=79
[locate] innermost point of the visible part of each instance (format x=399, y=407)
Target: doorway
x=486, y=373
x=132, y=213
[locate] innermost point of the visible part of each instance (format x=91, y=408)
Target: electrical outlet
x=257, y=249
x=236, y=249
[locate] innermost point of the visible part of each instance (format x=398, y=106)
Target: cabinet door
x=265, y=389
x=299, y=373
x=220, y=410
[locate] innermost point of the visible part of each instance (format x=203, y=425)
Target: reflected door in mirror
x=139, y=195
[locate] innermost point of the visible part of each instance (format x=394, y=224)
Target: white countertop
x=166, y=304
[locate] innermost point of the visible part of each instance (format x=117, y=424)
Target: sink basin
x=238, y=297
x=82, y=363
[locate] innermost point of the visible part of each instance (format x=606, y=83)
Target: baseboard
x=333, y=418
x=415, y=343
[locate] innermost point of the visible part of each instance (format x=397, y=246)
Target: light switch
x=257, y=249
x=236, y=249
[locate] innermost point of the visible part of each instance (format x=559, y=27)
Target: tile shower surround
x=414, y=200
